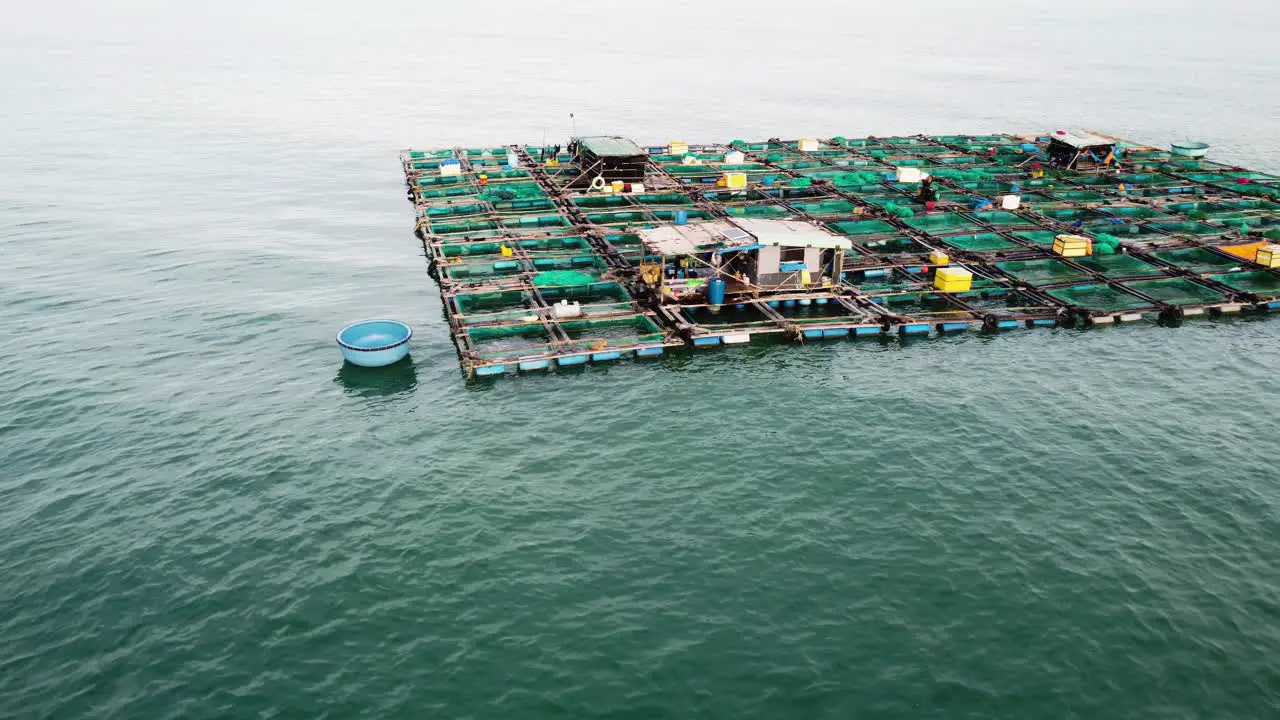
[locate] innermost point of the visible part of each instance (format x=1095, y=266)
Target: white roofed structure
x=738, y=234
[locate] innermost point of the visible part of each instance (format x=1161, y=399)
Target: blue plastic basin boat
x=374, y=343
x=1190, y=149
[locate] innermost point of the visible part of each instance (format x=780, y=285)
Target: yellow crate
x=952, y=286
x=937, y=257
x=1269, y=256
x=953, y=279
x=1072, y=246
x=735, y=180
x=678, y=147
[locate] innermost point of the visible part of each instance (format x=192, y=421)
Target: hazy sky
x=430, y=72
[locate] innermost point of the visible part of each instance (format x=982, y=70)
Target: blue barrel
x=715, y=291
x=682, y=217
x=767, y=180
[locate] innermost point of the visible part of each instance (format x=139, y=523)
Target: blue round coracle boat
x=1190, y=149
x=374, y=343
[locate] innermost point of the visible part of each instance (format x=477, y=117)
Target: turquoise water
x=204, y=514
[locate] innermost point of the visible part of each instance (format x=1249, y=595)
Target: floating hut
x=607, y=159
x=1081, y=150
x=751, y=257
x=610, y=249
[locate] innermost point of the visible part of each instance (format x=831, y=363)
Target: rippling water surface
x=203, y=514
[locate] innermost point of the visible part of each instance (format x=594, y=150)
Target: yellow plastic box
x=1072, y=246
x=735, y=180
x=952, y=279
x=678, y=147
x=1269, y=256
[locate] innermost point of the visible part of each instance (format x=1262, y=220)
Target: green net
x=1197, y=260
x=444, y=211
x=1133, y=212
x=512, y=191
x=525, y=222
x=562, y=278
x=941, y=222
x=758, y=211
x=1113, y=265
x=1176, y=291
x=856, y=179
x=1000, y=217
x=892, y=245
x=825, y=207
x=981, y=242
x=863, y=227
x=1039, y=237
x=800, y=182
x=959, y=175
x=663, y=199
x=1040, y=271
x=1255, y=281
x=897, y=210
x=1186, y=228
x=1098, y=297
x=453, y=228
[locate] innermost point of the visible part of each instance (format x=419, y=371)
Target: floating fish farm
x=605, y=249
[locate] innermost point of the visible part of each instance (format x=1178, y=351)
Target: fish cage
x=603, y=249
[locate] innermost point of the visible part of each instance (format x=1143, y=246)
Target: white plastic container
x=807, y=145
x=637, y=187
x=1010, y=202
x=734, y=157
x=513, y=160
x=566, y=309
x=910, y=175
x=450, y=168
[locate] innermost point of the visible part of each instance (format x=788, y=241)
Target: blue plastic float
x=374, y=343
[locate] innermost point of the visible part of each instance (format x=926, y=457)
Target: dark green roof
x=610, y=146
